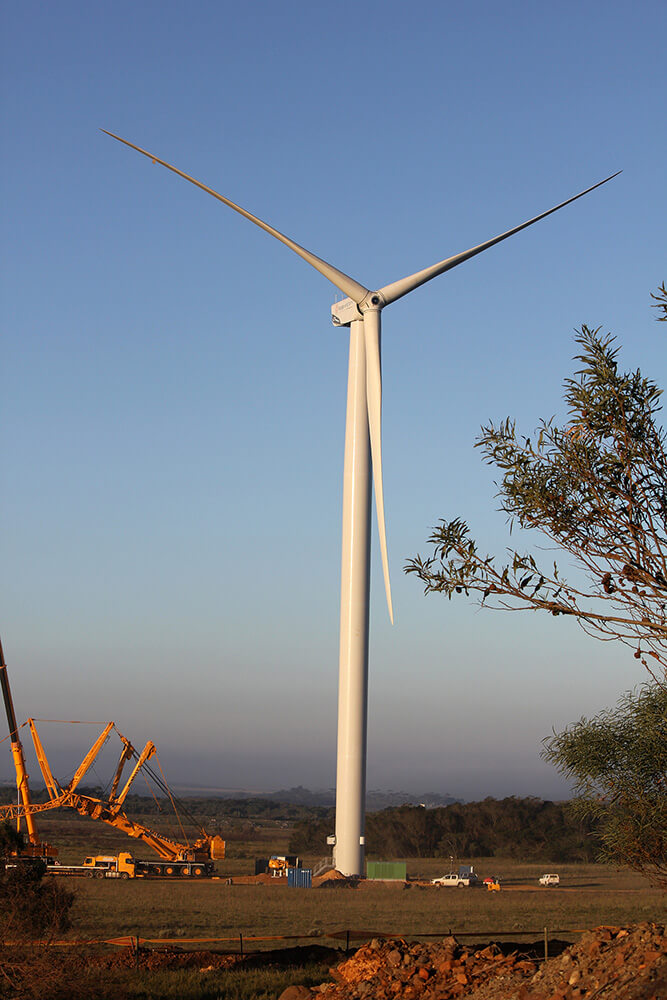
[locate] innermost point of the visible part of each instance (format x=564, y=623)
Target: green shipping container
x=387, y=870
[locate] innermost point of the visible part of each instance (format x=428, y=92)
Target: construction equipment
x=195, y=858
x=277, y=865
x=125, y=866
x=35, y=850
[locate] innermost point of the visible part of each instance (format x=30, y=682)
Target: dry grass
x=589, y=895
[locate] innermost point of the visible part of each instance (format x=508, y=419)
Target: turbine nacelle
x=348, y=311
x=345, y=312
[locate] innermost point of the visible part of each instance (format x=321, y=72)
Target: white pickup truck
x=550, y=880
x=455, y=880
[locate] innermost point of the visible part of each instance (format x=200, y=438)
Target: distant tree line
x=530, y=829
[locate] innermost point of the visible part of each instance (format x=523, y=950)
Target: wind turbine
x=360, y=310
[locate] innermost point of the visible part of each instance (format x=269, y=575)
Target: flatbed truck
x=125, y=866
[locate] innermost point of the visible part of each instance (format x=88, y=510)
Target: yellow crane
x=35, y=849
x=180, y=858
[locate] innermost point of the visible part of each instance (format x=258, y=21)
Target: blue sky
x=173, y=390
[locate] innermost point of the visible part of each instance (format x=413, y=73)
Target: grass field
x=589, y=895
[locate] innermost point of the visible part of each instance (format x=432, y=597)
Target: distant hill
x=375, y=800
x=249, y=801
x=386, y=800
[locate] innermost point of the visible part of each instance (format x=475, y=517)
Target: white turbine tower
x=363, y=450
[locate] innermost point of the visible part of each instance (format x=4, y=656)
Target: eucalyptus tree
x=617, y=762
x=594, y=487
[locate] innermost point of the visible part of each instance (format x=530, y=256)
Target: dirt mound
x=332, y=879
x=608, y=963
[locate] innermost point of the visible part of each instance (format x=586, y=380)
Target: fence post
x=347, y=942
x=241, y=941
x=546, y=944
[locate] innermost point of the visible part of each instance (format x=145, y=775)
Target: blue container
x=300, y=878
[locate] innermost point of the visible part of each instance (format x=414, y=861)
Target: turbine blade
x=397, y=289
x=374, y=403
x=348, y=286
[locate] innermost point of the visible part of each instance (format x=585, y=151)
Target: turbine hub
x=374, y=301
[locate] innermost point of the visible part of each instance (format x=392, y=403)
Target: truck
x=91, y=868
x=125, y=866
x=464, y=877
x=454, y=879
x=551, y=879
